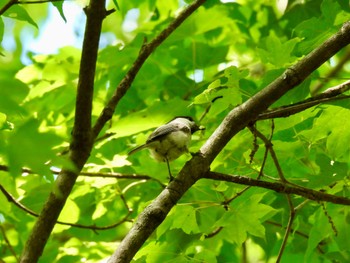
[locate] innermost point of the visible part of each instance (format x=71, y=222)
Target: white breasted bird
x=169, y=141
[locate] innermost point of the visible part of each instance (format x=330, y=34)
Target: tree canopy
x=267, y=180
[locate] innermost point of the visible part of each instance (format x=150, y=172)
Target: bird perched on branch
x=169, y=141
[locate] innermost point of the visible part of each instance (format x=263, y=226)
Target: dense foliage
x=220, y=56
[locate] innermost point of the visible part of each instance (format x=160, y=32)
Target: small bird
x=169, y=141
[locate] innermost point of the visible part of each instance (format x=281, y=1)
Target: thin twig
x=123, y=176
x=329, y=218
x=329, y=95
x=214, y=233
x=255, y=148
x=279, y=187
x=332, y=73
x=7, y=241
x=297, y=232
x=11, y=199
x=269, y=146
x=228, y=201
x=288, y=229
x=41, y=1
x=14, y=2
x=99, y=174
x=7, y=6
x=208, y=108
x=146, y=50
x=261, y=172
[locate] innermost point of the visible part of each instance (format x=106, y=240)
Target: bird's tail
x=138, y=148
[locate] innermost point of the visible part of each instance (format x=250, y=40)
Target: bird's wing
x=166, y=129
x=157, y=134
x=138, y=148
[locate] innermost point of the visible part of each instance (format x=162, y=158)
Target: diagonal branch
x=7, y=6
x=145, y=52
x=7, y=241
x=83, y=135
x=235, y=121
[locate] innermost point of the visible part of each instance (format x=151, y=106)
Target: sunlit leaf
x=20, y=13
x=33, y=153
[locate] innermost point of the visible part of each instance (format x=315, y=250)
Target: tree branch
x=332, y=73
x=292, y=213
x=11, y=199
x=98, y=174
x=39, y=1
x=14, y=2
x=81, y=143
x=7, y=241
x=235, y=121
x=319, y=248
x=145, y=52
x=279, y=187
x=7, y=6
x=328, y=95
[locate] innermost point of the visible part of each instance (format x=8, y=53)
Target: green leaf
x=33, y=153
x=320, y=231
x=20, y=13
x=330, y=9
x=313, y=32
x=227, y=89
x=276, y=52
x=70, y=212
x=59, y=6
x=185, y=219
x=36, y=192
x=115, y=2
x=331, y=125
x=3, y=119
x=245, y=218
x=100, y=211
x=205, y=256
x=12, y=95
x=210, y=93
x=221, y=187
x=172, y=248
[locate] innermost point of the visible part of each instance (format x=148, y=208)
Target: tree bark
x=81, y=143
